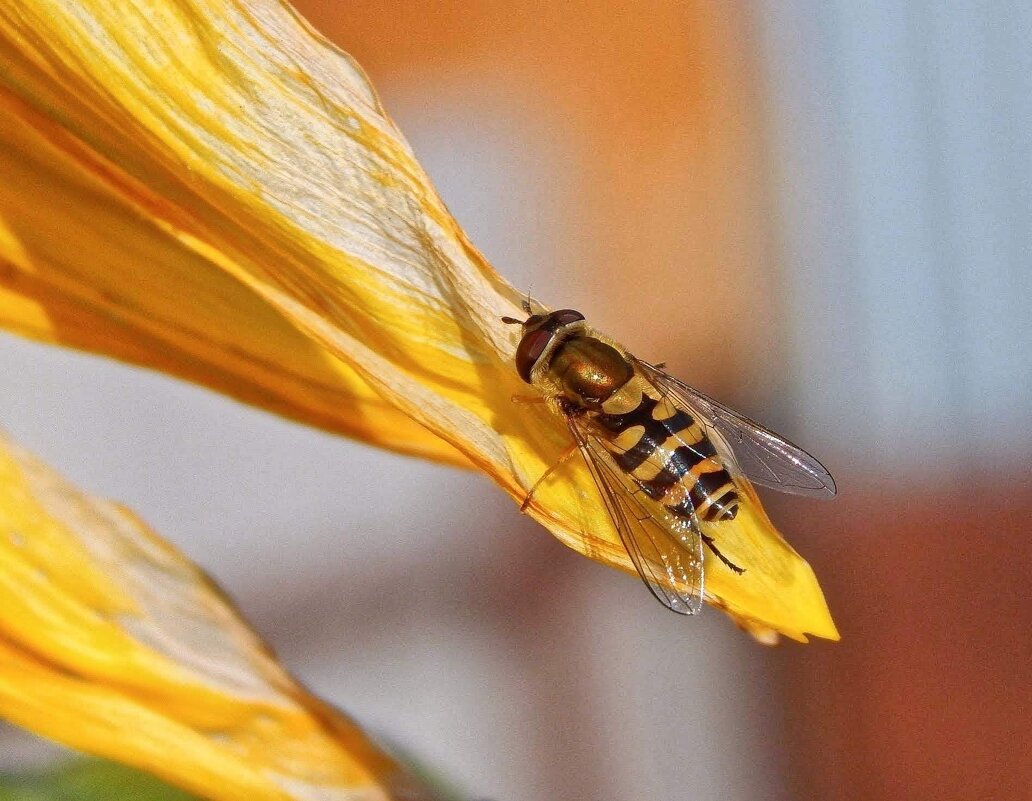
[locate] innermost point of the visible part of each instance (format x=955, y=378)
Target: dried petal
x=113, y=643
x=210, y=189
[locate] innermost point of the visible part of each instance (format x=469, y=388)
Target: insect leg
x=562, y=460
x=527, y=399
x=716, y=551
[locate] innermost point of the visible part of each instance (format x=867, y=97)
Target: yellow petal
x=113, y=643
x=211, y=189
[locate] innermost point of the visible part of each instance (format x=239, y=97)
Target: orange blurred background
x=818, y=213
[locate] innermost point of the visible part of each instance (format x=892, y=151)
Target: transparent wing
x=666, y=550
x=761, y=455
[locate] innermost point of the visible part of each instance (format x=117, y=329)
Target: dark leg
x=716, y=551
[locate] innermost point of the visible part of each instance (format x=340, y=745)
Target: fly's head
x=559, y=353
x=541, y=333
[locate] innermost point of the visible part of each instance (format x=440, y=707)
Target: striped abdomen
x=670, y=457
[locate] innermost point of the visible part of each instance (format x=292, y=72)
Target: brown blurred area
x=927, y=695
x=668, y=234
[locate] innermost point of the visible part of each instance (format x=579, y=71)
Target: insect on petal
x=212, y=190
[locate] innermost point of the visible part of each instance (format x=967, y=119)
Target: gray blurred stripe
x=901, y=141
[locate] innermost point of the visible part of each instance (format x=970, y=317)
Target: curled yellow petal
x=113, y=643
x=211, y=189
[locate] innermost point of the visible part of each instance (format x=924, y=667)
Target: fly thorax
x=589, y=371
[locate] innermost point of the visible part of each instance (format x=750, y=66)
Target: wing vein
x=671, y=567
x=755, y=452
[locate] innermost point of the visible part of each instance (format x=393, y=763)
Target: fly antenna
x=527, y=307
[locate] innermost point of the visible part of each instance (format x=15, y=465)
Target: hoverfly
x=669, y=461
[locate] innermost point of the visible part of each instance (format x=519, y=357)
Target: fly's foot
x=716, y=552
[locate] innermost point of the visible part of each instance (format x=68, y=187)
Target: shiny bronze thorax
x=587, y=370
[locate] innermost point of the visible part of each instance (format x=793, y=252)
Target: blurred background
x=819, y=212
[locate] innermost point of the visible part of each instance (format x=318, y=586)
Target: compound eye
x=529, y=351
x=567, y=316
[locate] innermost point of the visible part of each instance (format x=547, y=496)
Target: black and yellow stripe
x=671, y=450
